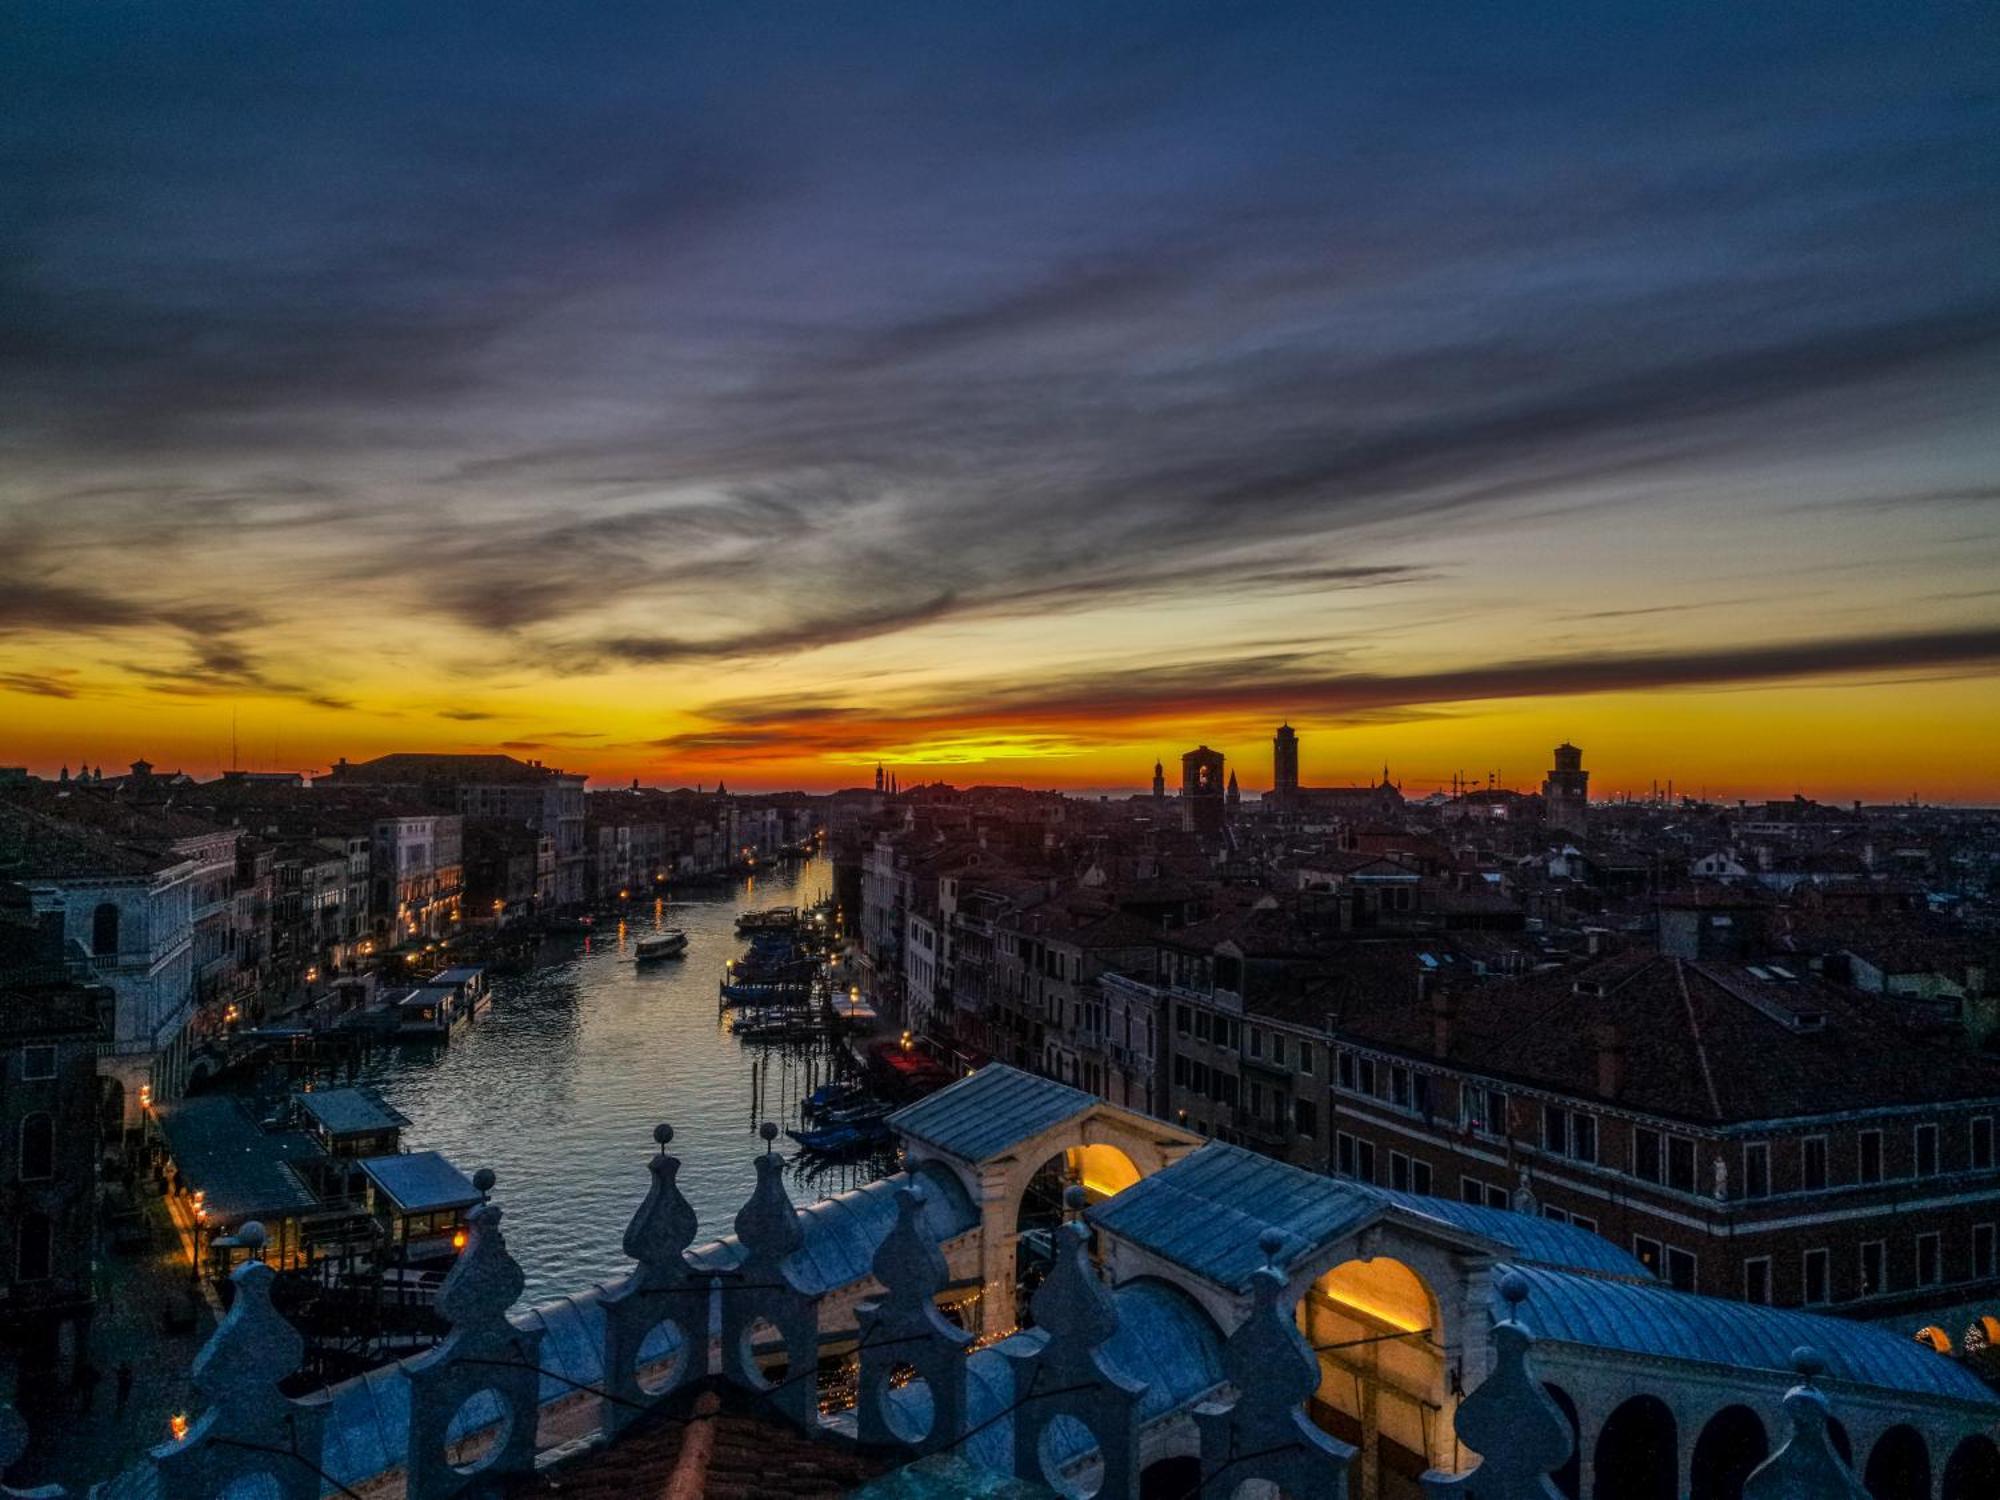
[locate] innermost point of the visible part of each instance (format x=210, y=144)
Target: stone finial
x=665, y=1223
x=1264, y=1432
x=486, y=1280
x=767, y=1224
x=662, y=1300
x=1510, y=1421
x=908, y=1263
x=252, y=1238
x=904, y=1326
x=1072, y=1303
x=764, y=1287
x=1807, y=1466
x=483, y=1180
x=1076, y=1312
x=484, y=1352
x=238, y=1372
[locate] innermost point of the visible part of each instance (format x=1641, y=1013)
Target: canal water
x=557, y=1087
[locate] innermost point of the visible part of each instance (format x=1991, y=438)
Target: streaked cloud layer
x=746, y=390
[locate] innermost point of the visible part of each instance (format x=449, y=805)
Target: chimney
x=1444, y=1012
x=1610, y=1061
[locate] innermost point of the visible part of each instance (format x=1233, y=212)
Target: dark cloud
x=683, y=338
x=1104, y=703
x=464, y=715
x=38, y=685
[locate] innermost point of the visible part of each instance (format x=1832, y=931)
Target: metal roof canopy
x=350, y=1111
x=981, y=1117
x=242, y=1171
x=419, y=1182
x=1569, y=1307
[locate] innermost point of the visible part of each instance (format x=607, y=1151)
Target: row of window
x=1874, y=1266
x=1252, y=1041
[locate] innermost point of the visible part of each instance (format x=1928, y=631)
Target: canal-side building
x=49, y=1129
x=129, y=909
x=1744, y=1129
x=488, y=786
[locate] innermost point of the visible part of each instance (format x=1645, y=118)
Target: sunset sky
x=1008, y=393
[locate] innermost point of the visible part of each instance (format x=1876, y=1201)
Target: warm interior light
x=458, y=1239
x=177, y=1424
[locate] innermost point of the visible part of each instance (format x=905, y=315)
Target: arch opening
x=1973, y=1470
x=1732, y=1443
x=1637, y=1456
x=478, y=1431
x=1899, y=1465
x=1373, y=1326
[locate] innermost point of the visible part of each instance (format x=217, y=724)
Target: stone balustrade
x=506, y=1394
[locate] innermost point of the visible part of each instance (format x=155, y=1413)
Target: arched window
x=38, y=1148
x=34, y=1248
x=104, y=930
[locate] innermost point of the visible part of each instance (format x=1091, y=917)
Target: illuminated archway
x=1102, y=1172
x=1374, y=1326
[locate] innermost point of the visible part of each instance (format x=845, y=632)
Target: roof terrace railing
x=478, y=1408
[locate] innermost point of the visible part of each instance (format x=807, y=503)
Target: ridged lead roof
x=980, y=1117
x=1207, y=1210
x=1570, y=1308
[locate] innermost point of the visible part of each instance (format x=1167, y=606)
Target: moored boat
x=836, y=1140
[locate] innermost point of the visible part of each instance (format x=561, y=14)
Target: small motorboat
x=673, y=943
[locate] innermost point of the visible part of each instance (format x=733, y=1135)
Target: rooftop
x=350, y=1111
x=420, y=1181
x=980, y=1117
x=244, y=1171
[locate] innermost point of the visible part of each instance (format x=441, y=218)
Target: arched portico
x=1375, y=1325
x=1099, y=1146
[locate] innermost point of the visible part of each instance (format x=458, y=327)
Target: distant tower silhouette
x=1202, y=807
x=878, y=776
x=1235, y=796
x=1284, y=763
x=1159, y=782
x=1566, y=792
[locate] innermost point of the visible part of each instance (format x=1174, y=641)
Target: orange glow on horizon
x=1832, y=740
